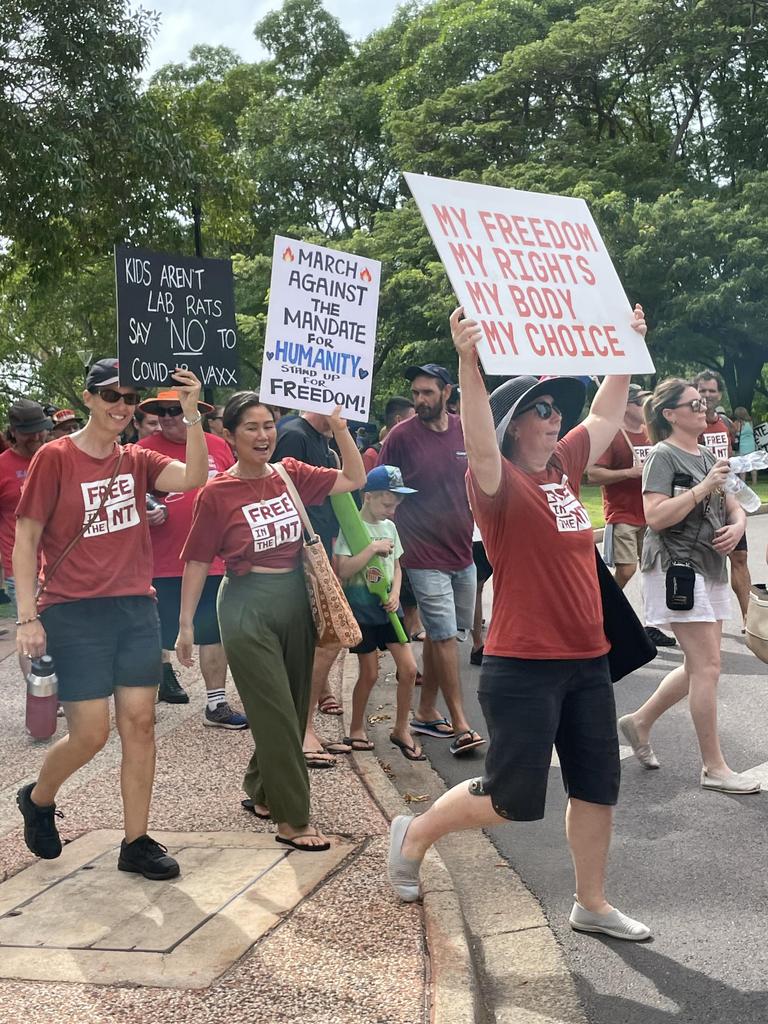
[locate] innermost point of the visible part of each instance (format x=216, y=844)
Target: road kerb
x=452, y=980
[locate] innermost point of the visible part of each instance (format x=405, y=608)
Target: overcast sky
x=185, y=23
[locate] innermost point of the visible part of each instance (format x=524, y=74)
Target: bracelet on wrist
x=194, y=422
x=24, y=622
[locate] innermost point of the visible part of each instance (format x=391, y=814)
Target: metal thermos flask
x=42, y=698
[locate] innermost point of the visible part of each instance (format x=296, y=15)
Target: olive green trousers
x=269, y=638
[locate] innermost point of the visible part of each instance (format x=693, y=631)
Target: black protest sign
x=174, y=311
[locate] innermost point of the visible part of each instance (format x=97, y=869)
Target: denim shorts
x=531, y=706
x=446, y=599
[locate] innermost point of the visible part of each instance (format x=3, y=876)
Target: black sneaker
x=146, y=857
x=4, y=599
x=170, y=690
x=660, y=639
x=40, y=832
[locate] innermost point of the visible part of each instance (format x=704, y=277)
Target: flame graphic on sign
x=365, y=275
x=288, y=255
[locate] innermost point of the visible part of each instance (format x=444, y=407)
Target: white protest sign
x=533, y=270
x=321, y=329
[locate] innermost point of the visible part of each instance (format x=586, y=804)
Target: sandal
x=358, y=744
x=315, y=759
x=338, y=747
x=466, y=741
x=250, y=806
x=420, y=637
x=406, y=750
x=295, y=844
x=432, y=728
x=330, y=706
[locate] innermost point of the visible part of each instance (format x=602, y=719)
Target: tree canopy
x=654, y=111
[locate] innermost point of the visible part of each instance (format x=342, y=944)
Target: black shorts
x=531, y=705
x=742, y=545
x=376, y=638
x=100, y=643
x=407, y=596
x=206, y=621
x=480, y=558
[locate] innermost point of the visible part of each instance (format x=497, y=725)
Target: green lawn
x=593, y=502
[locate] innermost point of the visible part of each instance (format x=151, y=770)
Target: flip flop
x=431, y=728
x=457, y=748
x=249, y=806
x=302, y=847
x=338, y=747
x=313, y=761
x=420, y=637
x=359, y=744
x=330, y=706
x=407, y=751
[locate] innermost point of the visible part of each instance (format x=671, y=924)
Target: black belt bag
x=681, y=580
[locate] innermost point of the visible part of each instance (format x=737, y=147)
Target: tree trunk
x=742, y=370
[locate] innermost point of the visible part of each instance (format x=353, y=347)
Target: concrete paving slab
x=102, y=926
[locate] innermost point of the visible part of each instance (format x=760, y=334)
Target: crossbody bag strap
x=282, y=472
x=85, y=528
x=631, y=447
x=707, y=503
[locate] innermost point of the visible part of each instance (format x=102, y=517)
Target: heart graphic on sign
x=362, y=374
x=270, y=355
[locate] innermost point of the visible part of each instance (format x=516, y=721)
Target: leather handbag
x=757, y=621
x=335, y=623
x=631, y=647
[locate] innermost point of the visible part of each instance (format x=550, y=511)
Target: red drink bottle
x=42, y=698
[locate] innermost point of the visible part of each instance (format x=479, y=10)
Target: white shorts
x=712, y=600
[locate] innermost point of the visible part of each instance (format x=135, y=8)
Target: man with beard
x=717, y=437
x=436, y=532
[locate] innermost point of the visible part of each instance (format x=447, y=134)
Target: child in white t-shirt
x=383, y=492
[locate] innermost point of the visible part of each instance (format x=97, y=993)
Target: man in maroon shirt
x=436, y=531
x=717, y=437
x=619, y=472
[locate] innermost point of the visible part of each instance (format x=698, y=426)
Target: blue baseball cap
x=387, y=478
x=428, y=370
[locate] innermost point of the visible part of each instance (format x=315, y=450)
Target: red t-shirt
x=717, y=437
x=62, y=490
x=254, y=522
x=623, y=501
x=546, y=597
x=370, y=455
x=13, y=470
x=168, y=538
x=435, y=524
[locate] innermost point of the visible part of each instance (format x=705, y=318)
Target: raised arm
x=352, y=475
x=607, y=413
x=185, y=476
x=483, y=452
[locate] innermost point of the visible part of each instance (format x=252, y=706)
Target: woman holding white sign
x=545, y=679
x=248, y=517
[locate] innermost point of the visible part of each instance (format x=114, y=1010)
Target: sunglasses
x=112, y=397
x=695, y=405
x=543, y=410
x=168, y=410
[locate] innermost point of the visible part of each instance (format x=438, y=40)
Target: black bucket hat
x=517, y=393
x=28, y=417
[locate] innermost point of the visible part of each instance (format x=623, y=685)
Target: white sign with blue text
x=321, y=329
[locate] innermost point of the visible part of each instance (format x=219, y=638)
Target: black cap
x=102, y=374
x=429, y=370
x=518, y=392
x=28, y=417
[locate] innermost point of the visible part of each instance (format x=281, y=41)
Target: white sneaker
x=615, y=924
x=734, y=782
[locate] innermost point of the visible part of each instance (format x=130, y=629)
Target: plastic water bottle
x=746, y=463
x=42, y=698
x=746, y=497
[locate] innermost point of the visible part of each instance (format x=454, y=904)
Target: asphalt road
x=690, y=864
